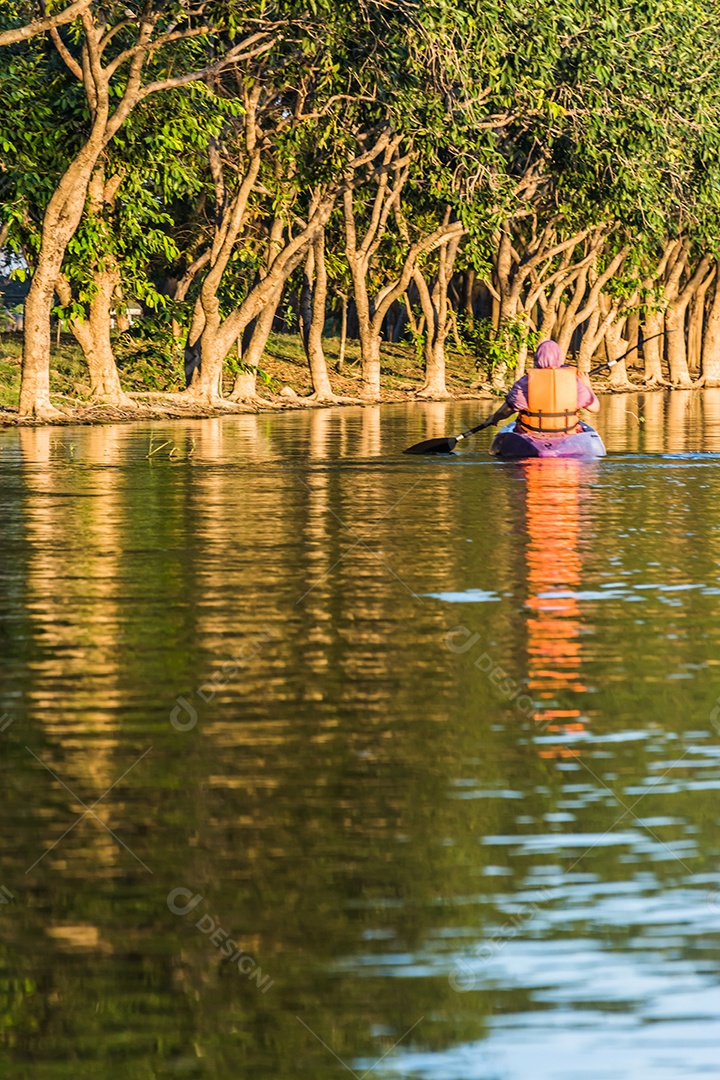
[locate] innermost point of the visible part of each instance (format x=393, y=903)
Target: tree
x=117, y=59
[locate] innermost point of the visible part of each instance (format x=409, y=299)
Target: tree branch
x=63, y=51
x=196, y=76
x=39, y=26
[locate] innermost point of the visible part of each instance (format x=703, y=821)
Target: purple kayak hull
x=512, y=445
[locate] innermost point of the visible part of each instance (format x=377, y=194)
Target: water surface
x=319, y=758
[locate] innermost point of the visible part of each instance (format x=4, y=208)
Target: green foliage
x=237, y=367
x=499, y=347
x=147, y=356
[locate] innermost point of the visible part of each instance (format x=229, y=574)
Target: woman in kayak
x=548, y=397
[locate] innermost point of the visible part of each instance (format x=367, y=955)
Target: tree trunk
x=695, y=330
x=676, y=313
x=695, y=327
x=245, y=387
x=570, y=323
x=343, y=333
x=206, y=388
x=93, y=331
x=711, y=342
x=254, y=343
x=653, y=350
x=306, y=297
x=436, y=310
x=370, y=356
x=469, y=296
x=371, y=315
x=218, y=335
x=60, y=224
x=369, y=339
x=35, y=386
x=93, y=336
x=521, y=361
x=676, y=350
x=64, y=211
x=507, y=306
x=616, y=345
x=632, y=331
x=588, y=343
x=434, y=385
x=322, y=390
x=122, y=317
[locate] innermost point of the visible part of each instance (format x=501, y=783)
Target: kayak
x=514, y=445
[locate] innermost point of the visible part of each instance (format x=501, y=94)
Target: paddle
x=611, y=363
x=447, y=445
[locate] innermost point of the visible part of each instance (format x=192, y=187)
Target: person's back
x=552, y=401
x=548, y=397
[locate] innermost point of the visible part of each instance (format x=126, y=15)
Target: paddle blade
x=433, y=446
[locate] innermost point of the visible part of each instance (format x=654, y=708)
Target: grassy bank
x=146, y=370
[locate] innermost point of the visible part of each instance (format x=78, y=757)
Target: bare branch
x=63, y=51
x=153, y=46
x=195, y=76
x=67, y=57
x=48, y=22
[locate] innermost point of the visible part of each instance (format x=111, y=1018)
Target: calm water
x=318, y=758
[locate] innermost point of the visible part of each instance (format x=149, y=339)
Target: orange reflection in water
x=554, y=567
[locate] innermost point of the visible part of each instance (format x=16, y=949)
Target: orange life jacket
x=552, y=400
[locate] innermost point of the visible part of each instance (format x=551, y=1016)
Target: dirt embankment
x=155, y=384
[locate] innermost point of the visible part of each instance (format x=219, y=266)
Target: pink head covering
x=548, y=354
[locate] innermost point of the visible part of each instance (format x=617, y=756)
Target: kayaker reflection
x=547, y=398
x=555, y=625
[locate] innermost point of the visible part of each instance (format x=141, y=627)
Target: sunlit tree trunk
x=676, y=349
x=653, y=349
x=506, y=298
x=360, y=250
x=438, y=317
x=93, y=336
x=632, y=336
x=93, y=332
x=245, y=386
x=60, y=224
x=343, y=333
x=711, y=341
x=312, y=315
x=654, y=324
x=616, y=345
x=696, y=320
x=675, y=316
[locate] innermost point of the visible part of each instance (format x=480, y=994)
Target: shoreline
x=169, y=406
x=285, y=385
x=165, y=408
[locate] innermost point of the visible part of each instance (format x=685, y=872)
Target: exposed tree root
x=655, y=382
x=331, y=399
x=113, y=401
x=430, y=393
x=44, y=412
x=256, y=403
x=625, y=387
